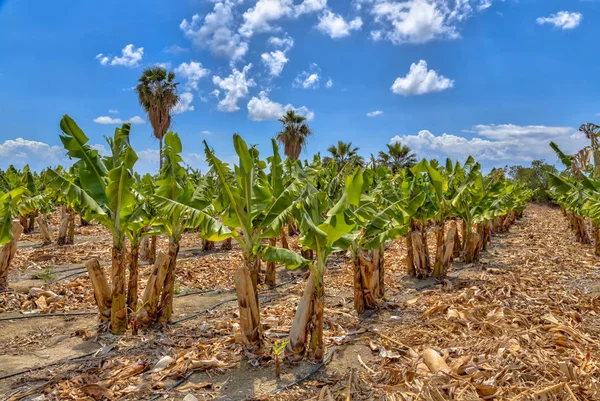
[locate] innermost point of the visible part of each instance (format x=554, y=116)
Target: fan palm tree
x=157, y=94
x=398, y=157
x=344, y=153
x=294, y=134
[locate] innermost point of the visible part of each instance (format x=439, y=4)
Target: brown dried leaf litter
x=525, y=328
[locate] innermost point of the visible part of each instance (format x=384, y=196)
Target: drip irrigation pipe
x=61, y=362
x=174, y=386
x=309, y=374
x=32, y=316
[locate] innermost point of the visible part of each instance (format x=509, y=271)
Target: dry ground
x=522, y=325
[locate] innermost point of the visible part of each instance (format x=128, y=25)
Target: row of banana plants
x=334, y=209
x=577, y=189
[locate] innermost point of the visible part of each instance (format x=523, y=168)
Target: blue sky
x=495, y=79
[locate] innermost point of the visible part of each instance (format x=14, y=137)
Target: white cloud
x=420, y=21
x=216, y=32
x=420, y=81
x=286, y=42
x=562, y=20
x=265, y=13
x=235, y=86
x=149, y=156
x=176, y=49
x=38, y=155
x=375, y=113
x=184, y=104
x=166, y=65
x=206, y=132
x=260, y=17
x=112, y=111
x=262, y=108
x=496, y=143
x=131, y=57
x=193, y=72
x=309, y=6
x=308, y=79
x=118, y=121
x=274, y=61
x=136, y=120
x=336, y=26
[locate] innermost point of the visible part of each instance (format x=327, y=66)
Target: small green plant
x=47, y=275
x=278, y=348
x=177, y=288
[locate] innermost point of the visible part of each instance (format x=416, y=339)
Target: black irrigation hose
x=177, y=384
x=308, y=375
x=213, y=307
x=84, y=270
x=61, y=362
x=32, y=316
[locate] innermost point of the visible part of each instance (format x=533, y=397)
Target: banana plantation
x=275, y=278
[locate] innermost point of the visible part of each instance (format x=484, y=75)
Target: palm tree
x=294, y=134
x=397, y=157
x=157, y=93
x=344, y=153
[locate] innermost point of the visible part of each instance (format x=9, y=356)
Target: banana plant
x=324, y=229
x=180, y=206
x=378, y=223
x=104, y=195
x=254, y=210
x=10, y=232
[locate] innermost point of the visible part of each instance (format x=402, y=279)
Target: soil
x=521, y=324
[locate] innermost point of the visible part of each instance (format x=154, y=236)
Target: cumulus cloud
x=309, y=6
x=175, y=49
x=501, y=143
x=262, y=108
x=216, y=32
x=420, y=81
x=192, y=72
x=308, y=79
x=274, y=61
x=375, y=113
x=130, y=57
x=117, y=121
x=562, y=20
x=285, y=43
x=184, y=104
x=235, y=86
x=265, y=13
x=38, y=155
x=336, y=26
x=166, y=65
x=420, y=21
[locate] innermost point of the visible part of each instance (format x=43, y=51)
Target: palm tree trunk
x=160, y=151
